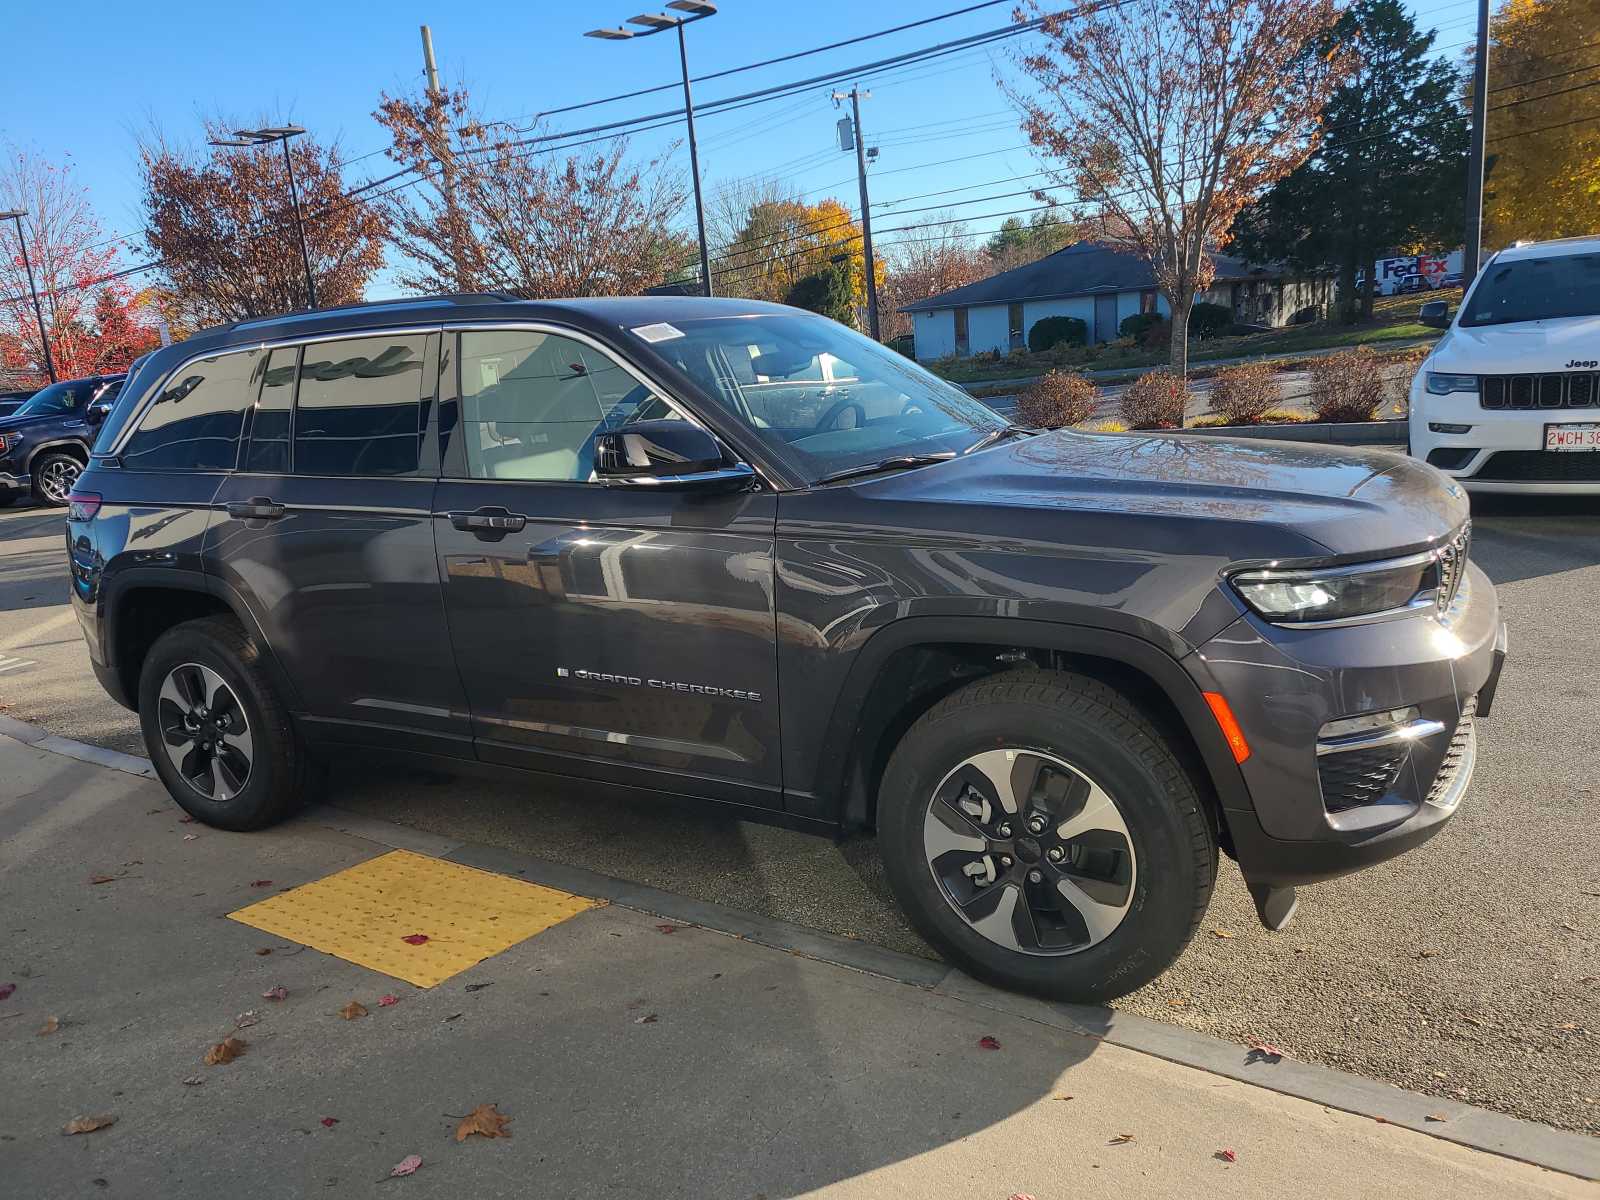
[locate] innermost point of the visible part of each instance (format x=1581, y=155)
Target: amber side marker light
x=1229, y=726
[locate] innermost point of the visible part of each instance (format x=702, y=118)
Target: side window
x=359, y=407
x=532, y=404
x=268, y=451
x=194, y=424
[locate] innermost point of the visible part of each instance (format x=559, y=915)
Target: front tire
x=54, y=475
x=1043, y=835
x=218, y=734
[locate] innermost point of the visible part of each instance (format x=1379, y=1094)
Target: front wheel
x=1042, y=834
x=54, y=476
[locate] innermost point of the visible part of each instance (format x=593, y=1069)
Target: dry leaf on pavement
x=414, y=939
x=1122, y=1139
x=484, y=1119
x=261, y=883
x=102, y=879
x=329, y=1122
x=667, y=928
x=1221, y=933
x=989, y=1043
x=1020, y=1196
x=1226, y=1156
x=1437, y=1117
x=276, y=993
x=6, y=989
x=264, y=951
x=225, y=1051
x=406, y=1166
x=49, y=1027
x=386, y=1001
x=1263, y=1051
x=246, y=1019
x=193, y=1081
x=88, y=1124
x=353, y=1010
x=648, y=1019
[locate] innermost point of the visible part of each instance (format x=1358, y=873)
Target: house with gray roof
x=1101, y=286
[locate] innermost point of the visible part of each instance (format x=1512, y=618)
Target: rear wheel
x=54, y=475
x=216, y=731
x=1043, y=835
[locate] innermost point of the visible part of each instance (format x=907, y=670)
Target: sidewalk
x=635, y=1056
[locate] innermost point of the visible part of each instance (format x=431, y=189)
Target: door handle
x=488, y=524
x=257, y=508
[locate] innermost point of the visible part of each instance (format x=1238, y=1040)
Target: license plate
x=1572, y=437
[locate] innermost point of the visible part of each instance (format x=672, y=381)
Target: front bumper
x=1502, y=450
x=9, y=481
x=1285, y=685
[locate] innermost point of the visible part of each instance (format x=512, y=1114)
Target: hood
x=1244, y=498
x=1523, y=347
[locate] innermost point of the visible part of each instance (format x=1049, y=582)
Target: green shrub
x=1056, y=331
x=1138, y=324
x=1209, y=320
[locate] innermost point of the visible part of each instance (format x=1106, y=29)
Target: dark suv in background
x=647, y=544
x=44, y=442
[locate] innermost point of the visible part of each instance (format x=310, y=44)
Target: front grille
x=1452, y=565
x=1458, y=754
x=1567, y=389
x=1541, y=466
x=1353, y=778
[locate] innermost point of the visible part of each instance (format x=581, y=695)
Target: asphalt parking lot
x=1469, y=969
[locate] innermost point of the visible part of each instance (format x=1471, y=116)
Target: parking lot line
x=33, y=632
x=413, y=917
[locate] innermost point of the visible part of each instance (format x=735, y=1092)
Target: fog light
x=1346, y=726
x=1441, y=427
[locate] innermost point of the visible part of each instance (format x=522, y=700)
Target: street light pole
x=855, y=94
x=1472, y=248
x=698, y=10
x=16, y=214
x=281, y=134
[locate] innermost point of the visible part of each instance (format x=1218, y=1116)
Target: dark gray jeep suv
x=736, y=553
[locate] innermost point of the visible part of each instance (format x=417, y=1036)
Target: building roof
x=1081, y=269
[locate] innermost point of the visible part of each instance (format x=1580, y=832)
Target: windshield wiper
x=898, y=463
x=994, y=435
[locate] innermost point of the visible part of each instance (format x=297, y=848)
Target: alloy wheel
x=1030, y=852
x=205, y=732
x=57, y=477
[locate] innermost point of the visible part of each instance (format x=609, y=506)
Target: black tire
x=1092, y=729
x=53, y=471
x=281, y=774
x=10, y=496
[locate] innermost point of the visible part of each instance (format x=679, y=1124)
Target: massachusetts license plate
x=1572, y=437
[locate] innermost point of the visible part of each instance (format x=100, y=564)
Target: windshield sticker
x=659, y=332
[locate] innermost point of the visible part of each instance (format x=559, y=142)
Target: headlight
x=1396, y=588
x=1440, y=384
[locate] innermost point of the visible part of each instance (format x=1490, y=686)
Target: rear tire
x=1043, y=835
x=220, y=738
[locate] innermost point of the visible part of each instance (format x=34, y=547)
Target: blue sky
x=94, y=75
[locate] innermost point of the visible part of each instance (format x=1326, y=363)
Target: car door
x=326, y=529
x=619, y=632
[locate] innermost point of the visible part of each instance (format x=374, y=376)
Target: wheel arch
x=911, y=664
x=77, y=447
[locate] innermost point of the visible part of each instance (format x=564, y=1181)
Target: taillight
x=82, y=506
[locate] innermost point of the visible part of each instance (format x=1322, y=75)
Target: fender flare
x=1183, y=682
x=35, y=451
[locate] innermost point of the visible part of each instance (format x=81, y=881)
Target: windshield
x=1536, y=289
x=820, y=394
x=71, y=396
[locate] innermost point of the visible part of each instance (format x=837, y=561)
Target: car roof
x=1556, y=248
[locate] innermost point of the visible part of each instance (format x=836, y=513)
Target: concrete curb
x=1475, y=1128
x=1338, y=433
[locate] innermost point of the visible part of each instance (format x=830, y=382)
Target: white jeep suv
x=1509, y=399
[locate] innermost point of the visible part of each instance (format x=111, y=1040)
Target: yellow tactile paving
x=364, y=914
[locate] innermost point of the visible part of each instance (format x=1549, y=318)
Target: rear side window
x=359, y=410
x=268, y=451
x=194, y=423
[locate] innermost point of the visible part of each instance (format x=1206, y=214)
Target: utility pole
x=855, y=95
x=447, y=159
x=16, y=214
x=1472, y=248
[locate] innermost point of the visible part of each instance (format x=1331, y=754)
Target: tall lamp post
x=697, y=10
x=265, y=137
x=16, y=214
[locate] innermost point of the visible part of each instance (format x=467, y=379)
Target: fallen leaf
x=414, y=939
x=1381, y=1120
x=1020, y=1196
x=49, y=1027
x=276, y=993
x=454, y=1016
x=225, y=1051
x=1221, y=933
x=649, y=1019
x=406, y=1166
x=264, y=951
x=102, y=878
x=1226, y=1155
x=246, y=1019
x=478, y=987
x=667, y=928
x=6, y=989
x=329, y=1122
x=1567, y=1025
x=988, y=1043
x=1437, y=1117
x=261, y=883
x=353, y=1010
x=1263, y=1050
x=1427, y=954
x=193, y=1081
x=485, y=1120
x=386, y=1001
x=1122, y=1139
x=88, y=1124
x=1177, y=1002
x=1063, y=1097
x=189, y=837
x=186, y=819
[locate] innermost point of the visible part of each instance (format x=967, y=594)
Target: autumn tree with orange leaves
x=1166, y=117
x=95, y=324
x=222, y=225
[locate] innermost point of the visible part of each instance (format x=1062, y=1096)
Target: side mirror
x=666, y=454
x=1435, y=314
x=96, y=413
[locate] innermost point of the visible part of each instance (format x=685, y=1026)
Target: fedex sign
x=1390, y=271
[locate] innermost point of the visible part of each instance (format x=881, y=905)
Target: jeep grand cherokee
x=646, y=543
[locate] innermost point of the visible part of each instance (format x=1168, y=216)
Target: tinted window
x=532, y=404
x=1536, y=289
x=194, y=423
x=359, y=409
x=268, y=451
x=59, y=399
